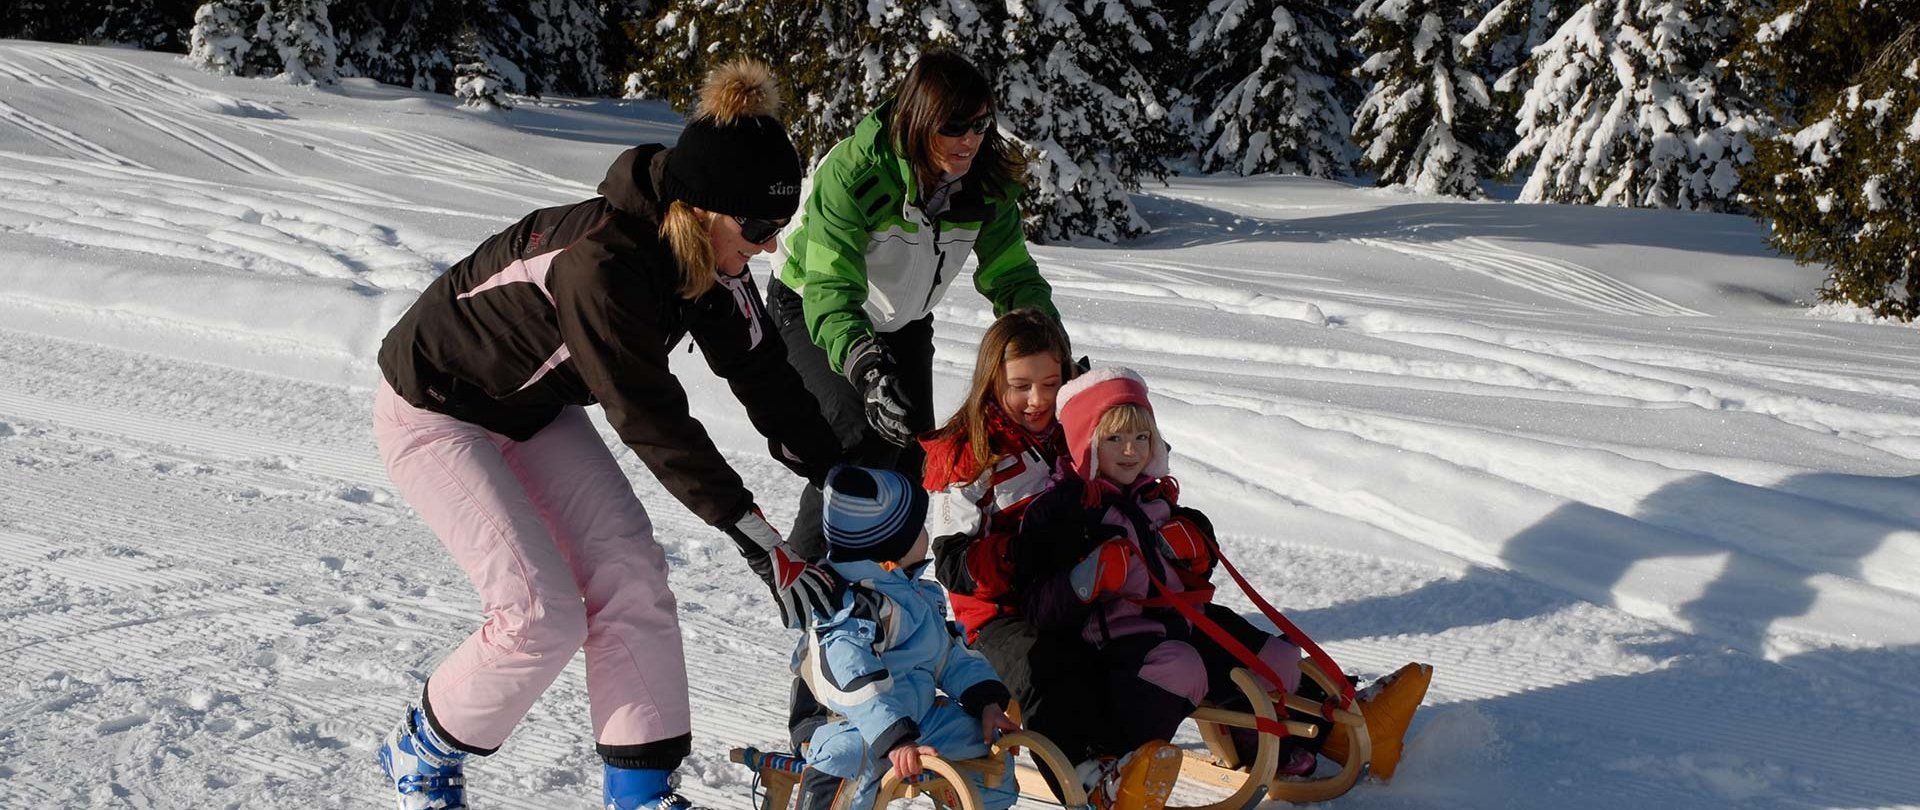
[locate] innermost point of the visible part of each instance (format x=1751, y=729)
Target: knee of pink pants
x=1284, y=657
x=1176, y=667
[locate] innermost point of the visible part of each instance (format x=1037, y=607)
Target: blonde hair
x=685, y=229
x=1126, y=418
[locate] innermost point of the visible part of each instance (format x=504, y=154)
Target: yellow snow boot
x=1388, y=704
x=1141, y=780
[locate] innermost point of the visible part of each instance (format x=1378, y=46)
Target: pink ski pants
x=563, y=556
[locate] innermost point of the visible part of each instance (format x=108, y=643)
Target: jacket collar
x=876, y=573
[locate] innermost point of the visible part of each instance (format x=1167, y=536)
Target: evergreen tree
x=46, y=20
x=403, y=42
x=1505, y=34
x=1498, y=47
x=226, y=38
x=477, y=82
x=625, y=41
x=1074, y=91
x=566, y=55
x=1842, y=185
x=422, y=43
x=303, y=41
x=1632, y=105
x=1270, y=92
x=1426, y=120
x=159, y=25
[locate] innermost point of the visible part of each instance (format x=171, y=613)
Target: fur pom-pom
x=739, y=89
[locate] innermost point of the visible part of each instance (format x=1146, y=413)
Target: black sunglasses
x=958, y=128
x=759, y=230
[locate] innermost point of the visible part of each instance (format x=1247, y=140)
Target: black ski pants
x=845, y=407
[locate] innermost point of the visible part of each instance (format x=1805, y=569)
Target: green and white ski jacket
x=865, y=258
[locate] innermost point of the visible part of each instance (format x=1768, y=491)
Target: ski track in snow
x=213, y=598
x=1550, y=277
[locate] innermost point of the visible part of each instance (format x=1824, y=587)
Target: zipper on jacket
x=939, y=263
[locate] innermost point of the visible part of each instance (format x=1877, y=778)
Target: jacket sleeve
x=834, y=263
x=955, y=521
x=1007, y=275
x=847, y=677
x=609, y=320
x=969, y=678
x=737, y=337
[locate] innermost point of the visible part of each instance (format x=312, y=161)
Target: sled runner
x=777, y=776
x=1364, y=733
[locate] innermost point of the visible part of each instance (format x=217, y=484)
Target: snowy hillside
x=1657, y=529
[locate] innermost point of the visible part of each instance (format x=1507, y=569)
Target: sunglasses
x=759, y=230
x=958, y=128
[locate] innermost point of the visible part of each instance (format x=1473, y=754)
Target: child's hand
x=906, y=758
x=993, y=722
x=1102, y=572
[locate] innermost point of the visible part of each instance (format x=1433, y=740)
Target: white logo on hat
x=784, y=189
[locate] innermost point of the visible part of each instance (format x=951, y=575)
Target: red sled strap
x=1246, y=656
x=1317, y=655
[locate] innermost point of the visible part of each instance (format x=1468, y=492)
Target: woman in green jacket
x=893, y=212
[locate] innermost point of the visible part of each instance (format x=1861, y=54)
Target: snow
x=1651, y=518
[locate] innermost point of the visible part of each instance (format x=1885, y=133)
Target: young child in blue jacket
x=883, y=658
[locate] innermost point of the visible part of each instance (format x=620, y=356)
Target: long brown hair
x=943, y=86
x=1021, y=333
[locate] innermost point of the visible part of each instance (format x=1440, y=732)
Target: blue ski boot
x=643, y=789
x=425, y=771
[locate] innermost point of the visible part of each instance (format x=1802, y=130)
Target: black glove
x=799, y=587
x=816, y=474
x=871, y=370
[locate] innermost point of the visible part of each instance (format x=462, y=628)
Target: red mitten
x=1102, y=571
x=1183, y=543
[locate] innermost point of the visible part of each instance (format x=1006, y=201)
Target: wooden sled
x=1224, y=770
x=945, y=781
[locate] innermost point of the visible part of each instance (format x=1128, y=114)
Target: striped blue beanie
x=871, y=514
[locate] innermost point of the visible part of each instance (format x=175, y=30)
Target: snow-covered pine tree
x=1504, y=34
x=1841, y=185
x=1426, y=119
x=477, y=82
x=1271, y=88
x=1074, y=91
x=624, y=43
x=302, y=40
x=226, y=38
x=1498, y=46
x=158, y=25
x=402, y=42
x=1632, y=104
x=565, y=54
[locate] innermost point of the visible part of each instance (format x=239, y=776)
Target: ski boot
x=1140, y=780
x=1388, y=704
x=642, y=789
x=426, y=772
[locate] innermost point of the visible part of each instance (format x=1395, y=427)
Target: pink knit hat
x=1083, y=400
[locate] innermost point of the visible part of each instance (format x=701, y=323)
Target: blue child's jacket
x=877, y=661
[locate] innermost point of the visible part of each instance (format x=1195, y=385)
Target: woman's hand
x=906, y=758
